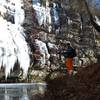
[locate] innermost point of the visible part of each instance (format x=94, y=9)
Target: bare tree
x=93, y=21
x=86, y=6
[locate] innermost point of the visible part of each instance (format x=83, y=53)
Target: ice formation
x=13, y=46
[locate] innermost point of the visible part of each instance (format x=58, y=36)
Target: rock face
x=74, y=26
x=29, y=16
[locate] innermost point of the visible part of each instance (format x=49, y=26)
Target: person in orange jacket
x=70, y=53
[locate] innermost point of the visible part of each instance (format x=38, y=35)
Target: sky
x=97, y=3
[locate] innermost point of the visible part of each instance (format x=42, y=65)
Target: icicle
x=42, y=14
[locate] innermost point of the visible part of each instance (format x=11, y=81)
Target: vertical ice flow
x=13, y=46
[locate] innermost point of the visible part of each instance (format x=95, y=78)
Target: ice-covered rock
x=43, y=51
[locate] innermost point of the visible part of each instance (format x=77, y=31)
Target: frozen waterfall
x=47, y=15
x=13, y=46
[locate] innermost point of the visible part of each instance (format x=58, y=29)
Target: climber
x=70, y=53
